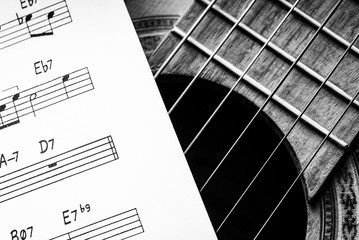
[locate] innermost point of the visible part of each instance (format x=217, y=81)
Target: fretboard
x=286, y=68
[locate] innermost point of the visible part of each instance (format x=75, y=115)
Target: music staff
x=37, y=24
x=57, y=168
x=120, y=226
x=39, y=97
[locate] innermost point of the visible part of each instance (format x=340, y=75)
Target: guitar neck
x=297, y=62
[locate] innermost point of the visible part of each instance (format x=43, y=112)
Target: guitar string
x=306, y=166
x=294, y=123
x=299, y=175
x=218, y=47
x=212, y=55
x=283, y=79
x=240, y=79
x=179, y=45
x=270, y=97
x=209, y=59
x=320, y=145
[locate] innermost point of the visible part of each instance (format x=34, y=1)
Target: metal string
x=267, y=100
x=306, y=166
x=179, y=45
x=236, y=83
x=295, y=122
x=212, y=55
x=271, y=96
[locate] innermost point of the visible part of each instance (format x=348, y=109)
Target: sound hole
x=222, y=192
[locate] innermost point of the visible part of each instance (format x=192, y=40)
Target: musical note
x=50, y=15
x=15, y=98
x=28, y=18
x=37, y=24
x=42, y=96
x=2, y=108
x=119, y=226
x=32, y=97
x=45, y=30
x=61, y=157
x=65, y=79
x=57, y=168
x=9, y=115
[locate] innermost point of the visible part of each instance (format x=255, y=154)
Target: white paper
x=87, y=148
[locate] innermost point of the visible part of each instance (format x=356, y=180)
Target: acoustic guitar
x=263, y=95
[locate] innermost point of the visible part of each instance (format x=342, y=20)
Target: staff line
x=49, y=160
x=98, y=159
x=45, y=8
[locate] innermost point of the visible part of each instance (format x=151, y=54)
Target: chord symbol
x=57, y=168
x=120, y=226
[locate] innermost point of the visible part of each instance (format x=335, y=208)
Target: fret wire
x=292, y=126
x=244, y=73
x=263, y=90
x=305, y=167
x=179, y=45
x=332, y=87
x=228, y=34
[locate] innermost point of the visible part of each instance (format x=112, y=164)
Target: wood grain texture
x=269, y=68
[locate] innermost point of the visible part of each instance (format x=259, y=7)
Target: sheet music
x=87, y=148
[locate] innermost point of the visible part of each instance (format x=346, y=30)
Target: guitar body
x=299, y=73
